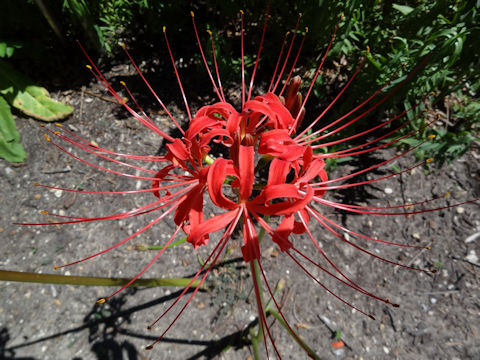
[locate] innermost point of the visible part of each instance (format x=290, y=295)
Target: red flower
x=264, y=134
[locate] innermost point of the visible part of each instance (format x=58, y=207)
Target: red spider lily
x=264, y=134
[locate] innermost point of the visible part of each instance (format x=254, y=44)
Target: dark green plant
x=18, y=91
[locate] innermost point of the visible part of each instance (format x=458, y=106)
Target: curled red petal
x=294, y=200
x=283, y=231
x=178, y=149
x=160, y=176
x=278, y=171
x=219, y=171
x=278, y=143
x=199, y=232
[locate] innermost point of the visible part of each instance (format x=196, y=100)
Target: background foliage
x=400, y=32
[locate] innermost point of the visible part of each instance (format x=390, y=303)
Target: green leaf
x=30, y=99
x=404, y=9
x=8, y=47
x=10, y=147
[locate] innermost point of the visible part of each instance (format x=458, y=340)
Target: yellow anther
x=164, y=28
x=192, y=14
x=42, y=125
x=56, y=132
x=59, y=125
x=288, y=33
x=429, y=160
x=209, y=32
x=342, y=16
x=36, y=184
x=368, y=49
x=431, y=93
x=43, y=212
x=46, y=137
x=124, y=100
x=123, y=45
x=122, y=82
x=100, y=301
x=447, y=194
x=55, y=267
x=428, y=247
x=438, y=116
x=241, y=12
x=300, y=14
x=88, y=67
x=431, y=137
x=306, y=29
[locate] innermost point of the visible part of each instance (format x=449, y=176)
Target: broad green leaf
x=30, y=99
x=404, y=9
x=8, y=47
x=10, y=147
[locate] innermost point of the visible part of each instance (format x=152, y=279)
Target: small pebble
x=460, y=210
x=433, y=300
x=386, y=350
x=472, y=257
x=472, y=238
x=388, y=190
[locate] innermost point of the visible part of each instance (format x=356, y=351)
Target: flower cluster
x=270, y=178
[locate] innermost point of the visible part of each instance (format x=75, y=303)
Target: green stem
x=161, y=247
x=257, y=338
x=256, y=273
x=253, y=338
x=91, y=281
x=311, y=354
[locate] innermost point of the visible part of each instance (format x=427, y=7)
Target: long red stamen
x=280, y=74
x=130, y=95
x=152, y=91
x=352, y=286
x=98, y=166
x=292, y=68
x=243, y=60
x=203, y=57
x=154, y=222
x=216, y=65
x=104, y=81
x=365, y=132
x=327, y=289
x=101, y=149
x=144, y=269
x=332, y=264
x=370, y=167
x=343, y=186
x=220, y=246
x=278, y=61
x=178, y=77
x=89, y=150
x=319, y=217
x=123, y=192
x=259, y=52
x=348, y=113
x=294, y=126
x=348, y=208
x=131, y=213
x=278, y=306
